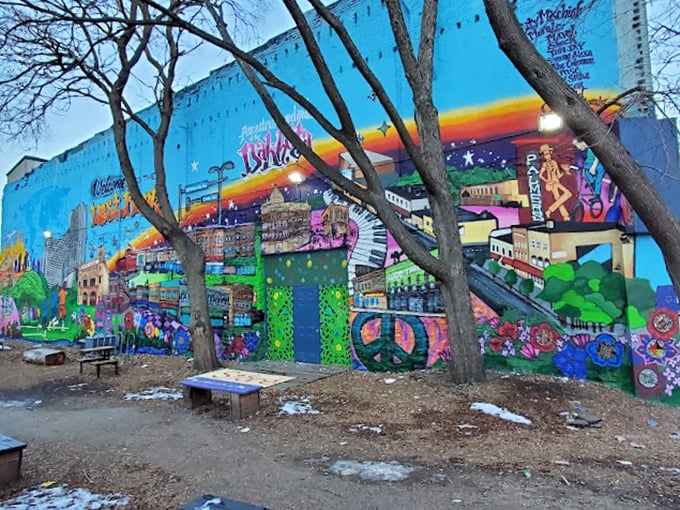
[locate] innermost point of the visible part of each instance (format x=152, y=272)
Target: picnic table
x=98, y=356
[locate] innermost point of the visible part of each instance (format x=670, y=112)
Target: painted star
x=468, y=158
x=384, y=127
x=194, y=166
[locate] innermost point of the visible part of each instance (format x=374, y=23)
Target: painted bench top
x=8, y=444
x=206, y=383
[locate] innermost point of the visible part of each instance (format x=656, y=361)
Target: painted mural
x=300, y=270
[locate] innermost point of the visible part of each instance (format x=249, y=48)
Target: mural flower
x=663, y=323
x=529, y=351
x=581, y=340
x=149, y=329
x=494, y=322
x=182, y=340
x=496, y=344
x=571, y=362
x=508, y=330
x=651, y=350
x=605, y=351
x=129, y=319
x=544, y=337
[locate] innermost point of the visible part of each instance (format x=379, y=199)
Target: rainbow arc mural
x=563, y=279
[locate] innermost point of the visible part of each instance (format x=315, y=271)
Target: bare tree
x=664, y=42
x=54, y=51
x=587, y=124
x=426, y=154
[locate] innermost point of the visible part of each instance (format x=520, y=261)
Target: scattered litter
x=561, y=462
x=627, y=437
x=47, y=485
x=582, y=418
x=145, y=365
x=676, y=435
x=527, y=473
x=456, y=501
x=244, y=429
x=372, y=471
x=652, y=423
x=390, y=380
x=360, y=427
x=467, y=426
x=302, y=406
x=566, y=482
x=343, y=443
x=21, y=404
x=625, y=462
x=4, y=347
x=60, y=496
x=155, y=393
x=75, y=387
x=494, y=410
x=673, y=470
x=637, y=445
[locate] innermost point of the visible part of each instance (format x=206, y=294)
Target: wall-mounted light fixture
x=549, y=122
x=296, y=177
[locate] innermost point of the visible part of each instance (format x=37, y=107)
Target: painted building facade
x=564, y=278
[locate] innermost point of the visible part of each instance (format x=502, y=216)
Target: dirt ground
x=84, y=434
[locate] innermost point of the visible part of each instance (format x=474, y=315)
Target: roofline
x=24, y=158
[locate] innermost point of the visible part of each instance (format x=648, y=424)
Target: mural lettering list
x=534, y=183
x=563, y=50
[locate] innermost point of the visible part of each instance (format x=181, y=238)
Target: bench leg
x=196, y=397
x=244, y=405
x=98, y=367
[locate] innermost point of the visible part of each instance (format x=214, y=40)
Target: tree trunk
x=663, y=225
x=467, y=364
x=193, y=262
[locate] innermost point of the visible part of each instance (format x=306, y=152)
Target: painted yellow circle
x=338, y=347
x=344, y=263
x=337, y=294
x=277, y=343
x=310, y=263
x=288, y=263
x=276, y=295
x=269, y=280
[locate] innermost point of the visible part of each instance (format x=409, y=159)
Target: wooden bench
x=11, y=453
x=98, y=356
x=244, y=399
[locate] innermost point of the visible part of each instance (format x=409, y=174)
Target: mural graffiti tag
x=272, y=150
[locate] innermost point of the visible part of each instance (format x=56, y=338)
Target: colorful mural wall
x=559, y=269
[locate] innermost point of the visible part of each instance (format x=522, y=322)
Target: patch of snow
x=293, y=407
x=467, y=426
x=4, y=347
x=360, y=426
x=75, y=387
x=372, y=471
x=390, y=380
x=212, y=503
x=21, y=404
x=501, y=412
x=155, y=393
x=62, y=498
